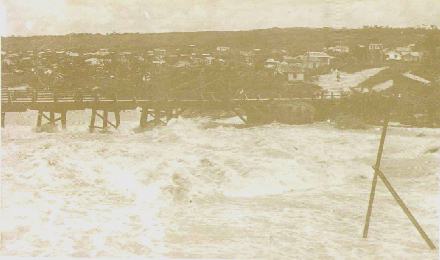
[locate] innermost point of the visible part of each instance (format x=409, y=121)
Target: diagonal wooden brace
x=402, y=205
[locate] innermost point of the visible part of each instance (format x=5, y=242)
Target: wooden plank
x=404, y=207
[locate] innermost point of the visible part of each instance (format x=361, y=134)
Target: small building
x=223, y=49
x=393, y=55
x=158, y=61
x=375, y=46
x=339, y=49
x=295, y=75
x=71, y=54
x=314, y=60
x=375, y=53
x=93, y=61
x=271, y=63
x=208, y=59
x=102, y=52
x=159, y=52
x=413, y=56
x=248, y=57
x=183, y=64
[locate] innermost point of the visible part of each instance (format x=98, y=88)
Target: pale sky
x=34, y=17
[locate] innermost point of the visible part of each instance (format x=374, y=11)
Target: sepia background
x=218, y=129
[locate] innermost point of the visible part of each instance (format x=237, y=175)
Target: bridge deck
x=19, y=101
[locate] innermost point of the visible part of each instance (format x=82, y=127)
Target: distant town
x=222, y=69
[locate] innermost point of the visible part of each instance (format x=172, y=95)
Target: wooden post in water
x=92, y=120
x=157, y=114
x=404, y=208
x=105, y=119
x=374, y=182
x=381, y=175
x=93, y=117
x=3, y=119
x=117, y=118
x=142, y=120
x=39, y=118
x=52, y=119
x=63, y=119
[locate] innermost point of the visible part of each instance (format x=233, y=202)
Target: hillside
x=294, y=40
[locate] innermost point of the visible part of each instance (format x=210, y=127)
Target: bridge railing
x=10, y=96
x=23, y=96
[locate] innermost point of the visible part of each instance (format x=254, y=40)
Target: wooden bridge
x=53, y=106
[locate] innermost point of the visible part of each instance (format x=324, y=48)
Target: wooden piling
x=117, y=118
x=52, y=118
x=157, y=116
x=379, y=174
x=39, y=118
x=374, y=182
x=92, y=120
x=105, y=119
x=3, y=119
x=143, y=118
x=404, y=208
x=64, y=119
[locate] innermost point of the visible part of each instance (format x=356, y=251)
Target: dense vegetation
x=294, y=40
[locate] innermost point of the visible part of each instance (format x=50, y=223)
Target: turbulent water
x=211, y=188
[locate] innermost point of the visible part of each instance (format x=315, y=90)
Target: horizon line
x=421, y=27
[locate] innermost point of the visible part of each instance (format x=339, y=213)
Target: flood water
x=211, y=188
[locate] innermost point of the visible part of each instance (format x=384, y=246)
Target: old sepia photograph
x=220, y=129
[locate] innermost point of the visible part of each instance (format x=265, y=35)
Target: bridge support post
x=156, y=116
x=39, y=118
x=3, y=119
x=105, y=120
x=117, y=118
x=143, y=118
x=92, y=120
x=52, y=118
x=239, y=113
x=64, y=119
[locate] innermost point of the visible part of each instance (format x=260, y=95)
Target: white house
x=393, y=55
x=339, y=49
x=208, y=60
x=271, y=63
x=159, y=62
x=72, y=54
x=93, y=61
x=223, y=49
x=103, y=52
x=375, y=46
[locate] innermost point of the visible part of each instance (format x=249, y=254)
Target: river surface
x=212, y=188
